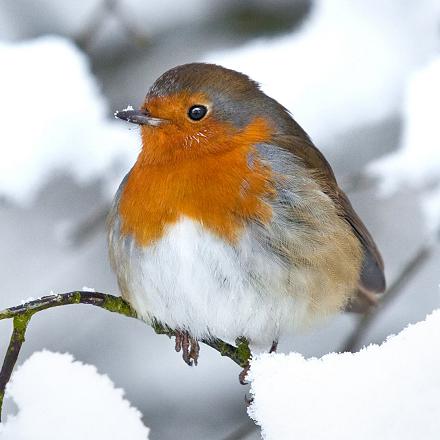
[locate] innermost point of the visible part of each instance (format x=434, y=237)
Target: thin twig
x=105, y=301
x=22, y=314
x=17, y=338
x=407, y=274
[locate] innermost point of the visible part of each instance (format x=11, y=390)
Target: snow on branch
x=389, y=391
x=59, y=398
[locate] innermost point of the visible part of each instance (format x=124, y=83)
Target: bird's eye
x=197, y=112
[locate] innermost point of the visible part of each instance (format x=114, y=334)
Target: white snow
x=387, y=392
x=347, y=65
x=59, y=398
x=54, y=118
x=417, y=162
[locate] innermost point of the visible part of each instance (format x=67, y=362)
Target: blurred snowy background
x=361, y=76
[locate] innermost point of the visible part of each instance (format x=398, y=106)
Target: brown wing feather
x=372, y=279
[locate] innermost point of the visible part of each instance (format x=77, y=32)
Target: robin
x=231, y=223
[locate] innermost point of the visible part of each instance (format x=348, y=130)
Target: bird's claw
x=189, y=346
x=243, y=374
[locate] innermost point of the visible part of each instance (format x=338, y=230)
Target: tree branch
x=17, y=338
x=22, y=314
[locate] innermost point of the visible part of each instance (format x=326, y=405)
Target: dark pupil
x=196, y=112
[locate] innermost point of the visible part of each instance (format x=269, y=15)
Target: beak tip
x=124, y=114
x=139, y=117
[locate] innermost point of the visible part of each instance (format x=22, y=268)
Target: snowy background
x=362, y=77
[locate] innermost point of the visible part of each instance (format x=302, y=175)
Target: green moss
x=161, y=329
x=224, y=348
x=20, y=324
x=239, y=354
x=6, y=314
x=118, y=305
x=243, y=350
x=76, y=298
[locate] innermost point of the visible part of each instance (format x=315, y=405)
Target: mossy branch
x=22, y=314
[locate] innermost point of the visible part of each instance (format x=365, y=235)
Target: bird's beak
x=140, y=117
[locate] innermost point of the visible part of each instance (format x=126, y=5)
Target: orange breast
x=222, y=189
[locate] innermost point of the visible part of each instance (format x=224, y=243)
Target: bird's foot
x=189, y=346
x=243, y=374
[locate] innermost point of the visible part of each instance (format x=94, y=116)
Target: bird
x=231, y=223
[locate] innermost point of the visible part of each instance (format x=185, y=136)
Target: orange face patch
x=179, y=138
x=207, y=170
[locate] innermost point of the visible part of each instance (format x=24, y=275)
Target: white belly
x=193, y=280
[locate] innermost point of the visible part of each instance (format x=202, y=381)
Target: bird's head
x=201, y=109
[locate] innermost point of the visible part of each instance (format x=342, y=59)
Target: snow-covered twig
x=23, y=313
